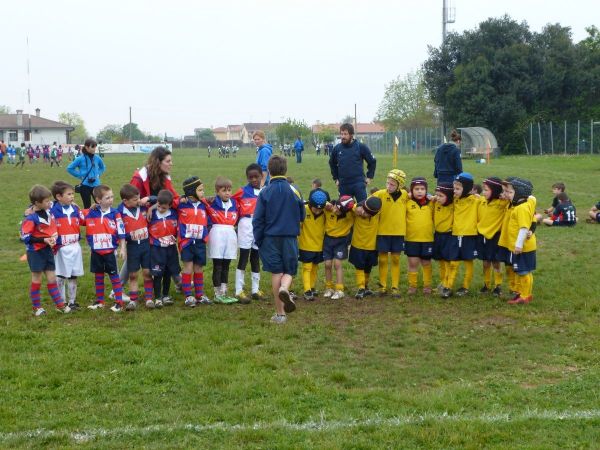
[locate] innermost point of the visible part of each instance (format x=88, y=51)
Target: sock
x=487, y=276
x=427, y=275
x=34, y=295
x=255, y=276
x=313, y=275
x=468, y=274
x=412, y=279
x=156, y=283
x=367, y=276
x=306, y=272
x=383, y=269
x=72, y=289
x=166, y=285
x=526, y=284
x=61, y=282
x=360, y=279
x=510, y=274
x=223, y=289
x=99, y=277
x=498, y=277
x=186, y=284
x=148, y=289
x=55, y=294
x=117, y=287
x=133, y=296
x=239, y=281
x=199, y=284
x=339, y=287
x=443, y=268
x=328, y=284
x=451, y=271
x=395, y=270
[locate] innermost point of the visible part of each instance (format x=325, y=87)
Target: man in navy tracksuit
x=346, y=163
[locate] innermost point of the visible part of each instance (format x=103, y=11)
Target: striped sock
x=148, y=289
x=34, y=295
x=186, y=284
x=55, y=294
x=133, y=296
x=199, y=284
x=99, y=287
x=117, y=287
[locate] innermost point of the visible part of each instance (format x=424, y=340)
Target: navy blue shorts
x=195, y=252
x=523, y=263
x=445, y=247
x=503, y=255
x=598, y=217
x=390, y=244
x=363, y=259
x=103, y=263
x=423, y=250
x=335, y=248
x=279, y=254
x=559, y=223
x=164, y=259
x=138, y=255
x=465, y=248
x=41, y=260
x=307, y=256
x=487, y=249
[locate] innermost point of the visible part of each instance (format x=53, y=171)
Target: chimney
x=19, y=117
x=37, y=112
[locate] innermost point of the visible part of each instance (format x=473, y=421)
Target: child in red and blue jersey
x=138, y=247
x=246, y=203
x=67, y=252
x=39, y=233
x=193, y=232
x=104, y=233
x=164, y=259
x=222, y=240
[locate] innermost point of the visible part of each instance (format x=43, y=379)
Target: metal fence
x=566, y=138
x=410, y=141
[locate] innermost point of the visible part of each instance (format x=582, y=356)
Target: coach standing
x=347, y=167
x=447, y=162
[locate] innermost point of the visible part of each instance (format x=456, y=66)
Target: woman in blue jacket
x=448, y=163
x=87, y=167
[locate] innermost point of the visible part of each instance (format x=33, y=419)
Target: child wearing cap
x=310, y=242
x=443, y=219
x=419, y=235
x=392, y=229
x=363, y=249
x=492, y=210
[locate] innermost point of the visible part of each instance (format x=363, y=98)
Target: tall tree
x=135, y=134
x=4, y=109
x=291, y=129
x=348, y=119
x=112, y=134
x=79, y=134
x=205, y=135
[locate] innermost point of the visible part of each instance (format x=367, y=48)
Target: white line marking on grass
x=323, y=424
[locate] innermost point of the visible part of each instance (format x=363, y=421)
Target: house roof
x=253, y=126
x=234, y=127
x=360, y=128
x=9, y=122
x=219, y=130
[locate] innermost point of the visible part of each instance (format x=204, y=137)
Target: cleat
x=381, y=291
x=167, y=300
x=158, y=303
x=411, y=290
x=462, y=292
x=190, y=301
x=368, y=291
x=243, y=298
x=288, y=303
x=279, y=320
x=131, y=306
x=446, y=293
x=440, y=289
x=328, y=293
x=497, y=292
x=427, y=291
x=315, y=293
x=258, y=295
x=204, y=300
x=64, y=309
x=124, y=296
x=520, y=300
x=96, y=305
x=37, y=312
x=150, y=304
x=74, y=306
x=117, y=308
x=484, y=290
x=338, y=295
x=395, y=292
x=308, y=295
x=360, y=294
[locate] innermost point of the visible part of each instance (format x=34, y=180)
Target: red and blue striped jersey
x=193, y=222
x=103, y=230
x=163, y=228
x=135, y=222
x=34, y=226
x=245, y=199
x=221, y=214
x=68, y=220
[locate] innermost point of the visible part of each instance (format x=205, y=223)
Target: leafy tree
x=326, y=134
x=135, y=135
x=291, y=129
x=112, y=134
x=205, y=135
x=4, y=109
x=348, y=119
x=79, y=134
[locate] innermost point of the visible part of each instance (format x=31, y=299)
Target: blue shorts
x=164, y=259
x=444, y=246
x=487, y=249
x=335, y=248
x=465, y=247
x=503, y=255
x=103, y=263
x=195, y=252
x=423, y=250
x=523, y=263
x=279, y=254
x=363, y=259
x=307, y=256
x=138, y=255
x=41, y=260
x=598, y=217
x=560, y=223
x=390, y=244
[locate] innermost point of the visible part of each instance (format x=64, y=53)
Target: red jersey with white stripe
x=245, y=199
x=220, y=213
x=193, y=222
x=34, y=226
x=141, y=181
x=68, y=221
x=135, y=222
x=163, y=228
x=104, y=230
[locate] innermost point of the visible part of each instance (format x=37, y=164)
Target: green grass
x=466, y=373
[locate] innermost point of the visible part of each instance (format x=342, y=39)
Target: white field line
x=320, y=425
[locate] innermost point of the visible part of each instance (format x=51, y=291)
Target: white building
x=19, y=127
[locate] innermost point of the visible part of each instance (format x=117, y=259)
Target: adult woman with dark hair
x=155, y=175
x=447, y=160
x=87, y=167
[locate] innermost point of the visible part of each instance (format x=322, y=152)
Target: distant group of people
x=47, y=154
x=225, y=150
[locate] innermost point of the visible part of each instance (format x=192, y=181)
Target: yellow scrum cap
x=398, y=176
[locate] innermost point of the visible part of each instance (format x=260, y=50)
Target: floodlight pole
x=130, y=133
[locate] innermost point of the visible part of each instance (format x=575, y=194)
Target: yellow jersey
x=490, y=216
x=338, y=226
x=465, y=216
x=312, y=232
x=504, y=240
x=521, y=217
x=419, y=221
x=364, y=235
x=393, y=213
x=443, y=217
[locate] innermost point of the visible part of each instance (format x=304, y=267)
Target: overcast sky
x=187, y=64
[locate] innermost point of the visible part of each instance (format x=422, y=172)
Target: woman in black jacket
x=448, y=163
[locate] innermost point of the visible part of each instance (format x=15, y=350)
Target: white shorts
x=69, y=261
x=222, y=242
x=245, y=234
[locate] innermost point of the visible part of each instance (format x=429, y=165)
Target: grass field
x=381, y=373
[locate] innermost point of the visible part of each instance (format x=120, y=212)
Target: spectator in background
x=447, y=161
x=88, y=167
x=299, y=148
x=264, y=152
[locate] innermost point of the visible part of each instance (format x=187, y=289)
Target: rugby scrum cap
x=346, y=203
x=523, y=189
x=190, y=185
x=466, y=179
x=371, y=205
x=317, y=199
x=398, y=176
x=418, y=181
x=448, y=190
x=495, y=185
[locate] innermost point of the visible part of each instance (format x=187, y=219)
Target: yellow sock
x=526, y=285
x=498, y=277
x=427, y=275
x=510, y=275
x=339, y=287
x=367, y=276
x=468, y=274
x=360, y=279
x=443, y=268
x=451, y=272
x=383, y=269
x=487, y=276
x=313, y=275
x=306, y=269
x=328, y=284
x=395, y=270
x=412, y=279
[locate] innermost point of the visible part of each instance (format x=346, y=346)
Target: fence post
x=578, y=130
x=531, y=137
x=592, y=137
x=551, y=139
x=565, y=137
x=540, y=136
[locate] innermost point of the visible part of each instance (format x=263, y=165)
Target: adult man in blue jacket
x=298, y=148
x=346, y=161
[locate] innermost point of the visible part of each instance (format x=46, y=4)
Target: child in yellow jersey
x=363, y=251
x=338, y=224
x=443, y=218
x=522, y=248
x=418, y=245
x=392, y=229
x=491, y=213
x=464, y=233
x=310, y=241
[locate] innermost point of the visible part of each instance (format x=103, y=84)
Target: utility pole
x=448, y=16
x=130, y=131
x=355, y=121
